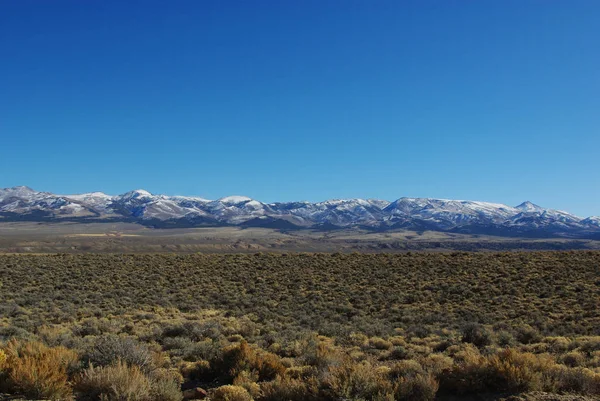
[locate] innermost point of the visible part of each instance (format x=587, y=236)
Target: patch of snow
x=232, y=200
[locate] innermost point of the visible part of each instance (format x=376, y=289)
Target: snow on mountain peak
x=593, y=221
x=136, y=194
x=88, y=195
x=530, y=207
x=20, y=191
x=234, y=200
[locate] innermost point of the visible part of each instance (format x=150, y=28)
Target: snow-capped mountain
x=592, y=221
x=526, y=219
x=447, y=213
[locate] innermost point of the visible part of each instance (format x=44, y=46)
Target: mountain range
x=420, y=214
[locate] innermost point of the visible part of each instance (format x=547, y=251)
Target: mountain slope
x=526, y=219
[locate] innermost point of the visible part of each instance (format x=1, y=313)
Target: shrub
x=397, y=353
x=436, y=363
x=239, y=358
x=301, y=372
x=189, y=350
x=268, y=365
x=526, y=334
x=199, y=370
x=165, y=390
x=405, y=368
x=419, y=387
x=290, y=389
x=2, y=359
x=248, y=380
x=411, y=382
x=107, y=349
x=37, y=371
x=573, y=359
x=468, y=374
x=507, y=371
x=356, y=381
x=477, y=335
x=117, y=382
x=231, y=393
x=380, y=343
x=356, y=340
x=505, y=338
x=578, y=380
x=321, y=356
x=512, y=371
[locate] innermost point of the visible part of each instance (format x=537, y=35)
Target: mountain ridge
x=446, y=215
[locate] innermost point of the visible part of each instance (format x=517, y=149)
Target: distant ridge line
x=445, y=215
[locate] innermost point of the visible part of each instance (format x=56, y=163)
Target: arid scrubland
x=418, y=326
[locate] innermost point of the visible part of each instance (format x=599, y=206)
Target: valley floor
x=34, y=237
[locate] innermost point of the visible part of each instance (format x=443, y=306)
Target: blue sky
x=304, y=100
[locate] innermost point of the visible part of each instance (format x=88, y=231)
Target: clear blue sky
x=304, y=100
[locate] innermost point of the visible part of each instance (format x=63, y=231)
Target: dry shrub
x=558, y=344
x=406, y=368
x=37, y=371
x=107, y=349
x=577, y=380
x=268, y=365
x=590, y=344
x=412, y=382
x=477, y=335
x=436, y=363
x=468, y=375
x=301, y=372
x=398, y=341
x=166, y=384
x=380, y=343
x=199, y=370
x=231, y=393
x=290, y=389
x=397, y=353
x=513, y=371
x=117, y=382
x=239, y=358
x=525, y=334
x=172, y=374
x=350, y=380
x=166, y=390
x=321, y=356
x=248, y=381
x=2, y=359
x=420, y=387
x=573, y=359
x=356, y=340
